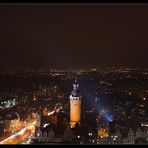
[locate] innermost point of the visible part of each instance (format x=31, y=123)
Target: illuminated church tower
x=75, y=105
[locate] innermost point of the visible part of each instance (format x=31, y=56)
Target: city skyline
x=67, y=36
x=73, y=74
x=40, y=106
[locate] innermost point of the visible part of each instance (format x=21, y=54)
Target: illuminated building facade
x=12, y=122
x=75, y=105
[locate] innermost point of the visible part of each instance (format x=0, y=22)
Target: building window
x=45, y=134
x=39, y=133
x=90, y=134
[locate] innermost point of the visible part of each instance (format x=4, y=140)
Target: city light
x=95, y=104
x=107, y=116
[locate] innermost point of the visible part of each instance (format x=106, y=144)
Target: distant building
x=48, y=132
x=90, y=136
x=11, y=122
x=56, y=128
x=127, y=132
x=38, y=122
x=8, y=103
x=75, y=105
x=2, y=127
x=50, y=129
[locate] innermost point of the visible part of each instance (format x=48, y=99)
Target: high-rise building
x=75, y=105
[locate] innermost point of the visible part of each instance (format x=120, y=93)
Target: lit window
x=90, y=134
x=39, y=133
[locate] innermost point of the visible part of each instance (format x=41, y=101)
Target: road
x=20, y=136
x=24, y=134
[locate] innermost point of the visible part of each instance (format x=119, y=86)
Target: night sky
x=66, y=36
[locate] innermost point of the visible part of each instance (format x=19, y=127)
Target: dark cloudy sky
x=73, y=35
